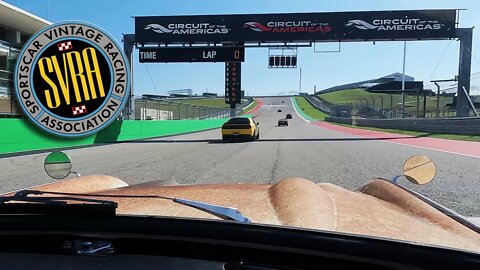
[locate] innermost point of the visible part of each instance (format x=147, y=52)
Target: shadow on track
x=213, y=141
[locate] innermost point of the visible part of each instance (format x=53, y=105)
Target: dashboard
x=39, y=261
x=126, y=242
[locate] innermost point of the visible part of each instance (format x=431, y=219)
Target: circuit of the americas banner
x=332, y=26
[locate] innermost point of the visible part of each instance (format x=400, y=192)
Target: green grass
x=250, y=107
x=309, y=110
x=208, y=102
x=420, y=134
x=357, y=95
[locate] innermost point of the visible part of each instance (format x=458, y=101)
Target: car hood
x=378, y=208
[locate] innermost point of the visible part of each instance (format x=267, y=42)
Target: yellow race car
x=240, y=128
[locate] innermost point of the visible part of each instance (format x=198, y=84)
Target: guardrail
x=464, y=126
x=319, y=104
x=147, y=109
x=376, y=110
x=167, y=109
x=260, y=96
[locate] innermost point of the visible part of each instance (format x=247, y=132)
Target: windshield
x=137, y=101
x=238, y=121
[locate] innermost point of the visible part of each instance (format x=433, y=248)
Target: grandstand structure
x=180, y=93
x=16, y=27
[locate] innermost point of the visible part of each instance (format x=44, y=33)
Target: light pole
x=403, y=76
x=300, y=81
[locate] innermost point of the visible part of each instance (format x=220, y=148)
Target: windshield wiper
x=21, y=203
x=223, y=212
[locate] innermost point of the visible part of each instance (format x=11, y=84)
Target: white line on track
x=433, y=149
x=269, y=107
x=399, y=143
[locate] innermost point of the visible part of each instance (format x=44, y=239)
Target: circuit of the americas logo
x=72, y=79
x=289, y=27
x=404, y=24
x=188, y=28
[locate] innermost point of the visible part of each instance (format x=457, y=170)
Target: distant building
x=180, y=92
x=16, y=27
x=209, y=94
x=147, y=96
x=368, y=83
x=180, y=95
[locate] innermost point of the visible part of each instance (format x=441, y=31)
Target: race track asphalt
x=299, y=150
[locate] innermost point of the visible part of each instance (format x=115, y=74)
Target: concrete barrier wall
x=19, y=135
x=466, y=126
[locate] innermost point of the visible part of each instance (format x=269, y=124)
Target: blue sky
x=355, y=62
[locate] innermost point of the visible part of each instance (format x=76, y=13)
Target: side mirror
x=419, y=170
x=58, y=165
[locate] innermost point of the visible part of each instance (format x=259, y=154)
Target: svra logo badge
x=72, y=79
